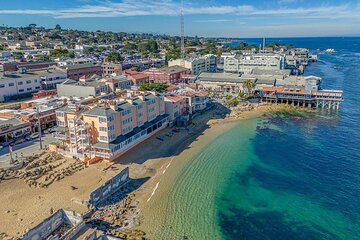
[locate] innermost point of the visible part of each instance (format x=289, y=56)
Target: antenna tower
x=264, y=45
x=182, y=31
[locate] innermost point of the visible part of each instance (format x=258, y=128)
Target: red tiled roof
x=139, y=76
x=173, y=98
x=130, y=72
x=201, y=94
x=171, y=87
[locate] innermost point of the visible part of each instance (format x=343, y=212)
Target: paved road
x=27, y=148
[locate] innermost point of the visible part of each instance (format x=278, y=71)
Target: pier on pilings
x=325, y=99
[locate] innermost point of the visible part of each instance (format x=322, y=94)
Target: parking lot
x=27, y=148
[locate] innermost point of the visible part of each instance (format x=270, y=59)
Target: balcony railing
x=101, y=154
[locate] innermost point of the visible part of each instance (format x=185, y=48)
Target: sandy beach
x=24, y=207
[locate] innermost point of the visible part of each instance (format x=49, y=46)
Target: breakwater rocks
x=129, y=234
x=4, y=236
x=119, y=217
x=41, y=170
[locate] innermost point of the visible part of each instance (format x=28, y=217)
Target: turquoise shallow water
x=297, y=179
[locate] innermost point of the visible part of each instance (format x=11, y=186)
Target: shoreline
x=148, y=162
x=191, y=145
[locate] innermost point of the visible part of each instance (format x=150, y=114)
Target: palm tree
x=249, y=86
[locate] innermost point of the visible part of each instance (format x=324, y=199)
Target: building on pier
x=330, y=99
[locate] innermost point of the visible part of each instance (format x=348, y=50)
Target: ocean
x=297, y=178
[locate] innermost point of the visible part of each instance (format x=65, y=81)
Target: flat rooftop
x=36, y=73
x=80, y=66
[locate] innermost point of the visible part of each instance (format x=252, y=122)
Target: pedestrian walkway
x=27, y=148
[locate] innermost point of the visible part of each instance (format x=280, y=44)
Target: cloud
x=214, y=20
x=289, y=1
x=171, y=8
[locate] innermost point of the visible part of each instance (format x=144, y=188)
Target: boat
x=330, y=50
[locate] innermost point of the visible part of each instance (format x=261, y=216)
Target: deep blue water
x=305, y=181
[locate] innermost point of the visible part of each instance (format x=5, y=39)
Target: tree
x=58, y=27
x=249, y=86
x=114, y=57
x=158, y=87
x=129, y=47
x=233, y=102
x=42, y=58
x=62, y=53
x=18, y=55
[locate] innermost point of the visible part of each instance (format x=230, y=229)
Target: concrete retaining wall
x=109, y=188
x=52, y=223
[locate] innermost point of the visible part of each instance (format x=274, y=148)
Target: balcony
x=101, y=154
x=61, y=136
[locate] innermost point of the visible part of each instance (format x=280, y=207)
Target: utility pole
x=39, y=125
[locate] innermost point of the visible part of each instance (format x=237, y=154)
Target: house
x=169, y=75
x=136, y=77
x=108, y=69
x=175, y=107
x=74, y=72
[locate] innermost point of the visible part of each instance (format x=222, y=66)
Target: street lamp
x=39, y=125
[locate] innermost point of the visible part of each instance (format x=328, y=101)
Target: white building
x=62, y=62
x=18, y=83
x=197, y=65
x=246, y=64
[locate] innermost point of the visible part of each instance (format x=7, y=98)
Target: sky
x=209, y=18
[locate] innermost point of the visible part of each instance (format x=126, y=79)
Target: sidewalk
x=24, y=149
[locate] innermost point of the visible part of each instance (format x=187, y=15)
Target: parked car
x=19, y=141
x=52, y=130
x=34, y=135
x=28, y=138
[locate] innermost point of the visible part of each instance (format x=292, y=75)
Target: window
x=28, y=81
x=37, y=87
x=21, y=90
x=126, y=112
x=35, y=80
x=102, y=129
x=112, y=137
x=151, y=109
x=110, y=119
x=128, y=120
x=127, y=129
x=11, y=84
x=59, y=114
x=2, y=85
x=111, y=128
x=29, y=89
x=103, y=138
x=102, y=119
x=20, y=83
x=60, y=123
